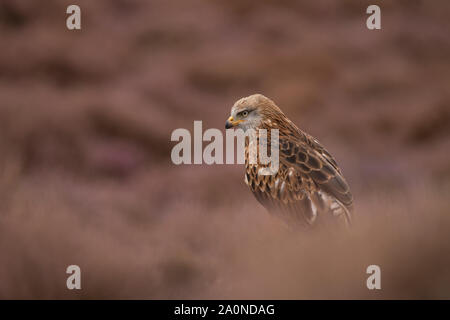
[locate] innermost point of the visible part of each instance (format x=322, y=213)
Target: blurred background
x=85, y=170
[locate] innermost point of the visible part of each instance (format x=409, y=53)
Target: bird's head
x=252, y=111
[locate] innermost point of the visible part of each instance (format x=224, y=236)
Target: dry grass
x=195, y=250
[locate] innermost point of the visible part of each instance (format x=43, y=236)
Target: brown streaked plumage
x=309, y=186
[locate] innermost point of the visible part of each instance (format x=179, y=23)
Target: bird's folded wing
x=308, y=180
x=311, y=160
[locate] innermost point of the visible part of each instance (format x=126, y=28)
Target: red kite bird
x=309, y=186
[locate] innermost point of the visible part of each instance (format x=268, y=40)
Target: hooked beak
x=230, y=123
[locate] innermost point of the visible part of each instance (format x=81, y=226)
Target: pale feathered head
x=252, y=111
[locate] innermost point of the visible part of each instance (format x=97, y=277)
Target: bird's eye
x=244, y=113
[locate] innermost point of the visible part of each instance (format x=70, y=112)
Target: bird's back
x=308, y=188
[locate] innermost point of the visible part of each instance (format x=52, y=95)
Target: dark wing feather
x=315, y=162
x=308, y=179
x=328, y=175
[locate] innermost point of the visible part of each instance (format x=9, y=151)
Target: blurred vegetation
x=85, y=124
